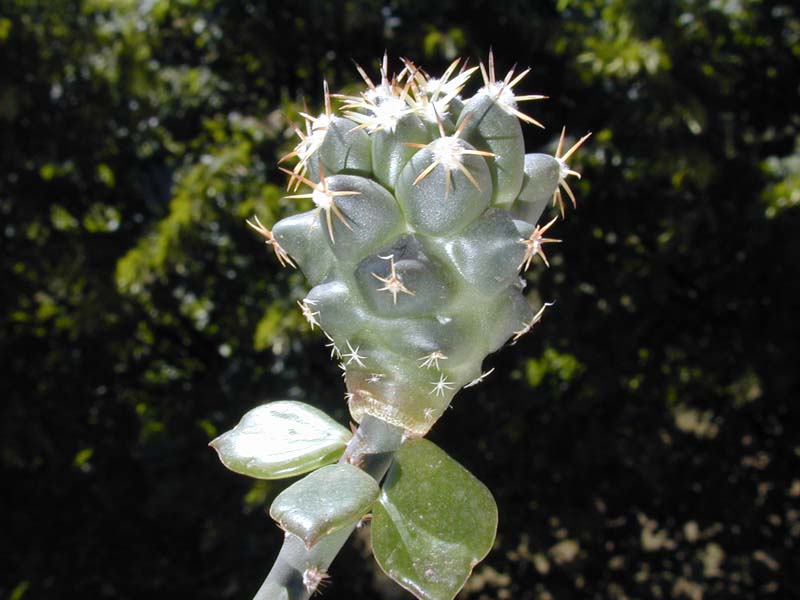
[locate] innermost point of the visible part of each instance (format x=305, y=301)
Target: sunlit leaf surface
x=324, y=501
x=433, y=523
x=281, y=439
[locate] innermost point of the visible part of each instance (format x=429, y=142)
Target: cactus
x=425, y=217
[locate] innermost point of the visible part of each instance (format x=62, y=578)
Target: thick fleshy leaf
x=281, y=439
x=324, y=501
x=433, y=522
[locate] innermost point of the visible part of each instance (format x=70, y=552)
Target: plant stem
x=372, y=450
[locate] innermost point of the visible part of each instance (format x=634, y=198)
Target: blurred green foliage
x=642, y=443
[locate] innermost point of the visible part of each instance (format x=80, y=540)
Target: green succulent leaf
x=434, y=521
x=281, y=439
x=324, y=502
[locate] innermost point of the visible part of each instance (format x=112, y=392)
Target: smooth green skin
x=281, y=439
x=372, y=216
x=427, y=208
x=339, y=315
x=541, y=179
x=346, y=149
x=425, y=276
x=488, y=253
x=433, y=522
x=493, y=129
x=389, y=154
x=324, y=502
x=458, y=254
x=302, y=237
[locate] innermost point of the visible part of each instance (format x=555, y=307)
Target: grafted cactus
x=425, y=215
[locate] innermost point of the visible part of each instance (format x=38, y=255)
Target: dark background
x=641, y=442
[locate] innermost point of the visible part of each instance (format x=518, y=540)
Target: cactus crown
x=425, y=213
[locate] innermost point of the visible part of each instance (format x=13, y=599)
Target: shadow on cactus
x=426, y=211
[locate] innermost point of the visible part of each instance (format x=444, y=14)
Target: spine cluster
x=425, y=214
